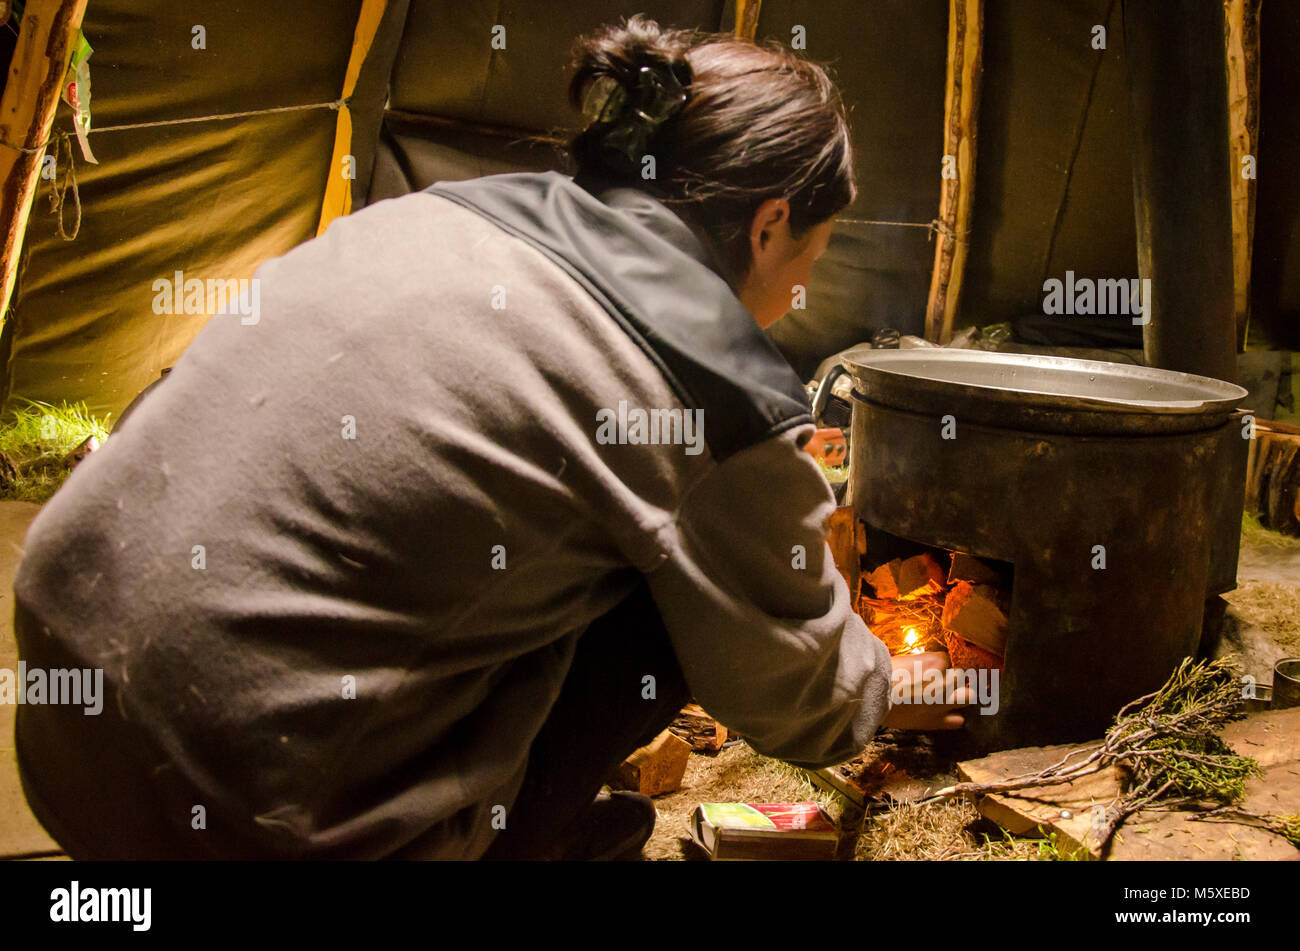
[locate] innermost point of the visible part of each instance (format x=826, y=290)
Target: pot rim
x=922, y=378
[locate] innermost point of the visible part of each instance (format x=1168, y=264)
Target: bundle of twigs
x=1286, y=826
x=1166, y=745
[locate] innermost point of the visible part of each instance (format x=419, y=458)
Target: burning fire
x=906, y=627
x=910, y=637
x=910, y=612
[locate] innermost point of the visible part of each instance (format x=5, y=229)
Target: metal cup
x=1263, y=699
x=1286, y=683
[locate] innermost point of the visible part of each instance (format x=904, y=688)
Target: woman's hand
x=908, y=678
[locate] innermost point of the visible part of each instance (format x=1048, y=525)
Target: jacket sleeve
x=760, y=618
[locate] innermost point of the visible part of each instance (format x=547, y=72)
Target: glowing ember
x=906, y=627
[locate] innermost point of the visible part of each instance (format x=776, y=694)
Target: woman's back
x=338, y=541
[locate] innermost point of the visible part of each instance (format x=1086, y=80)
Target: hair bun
x=618, y=54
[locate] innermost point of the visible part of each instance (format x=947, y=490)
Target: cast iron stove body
x=1115, y=492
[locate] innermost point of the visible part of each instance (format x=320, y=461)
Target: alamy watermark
x=653, y=427
x=190, y=296
x=1107, y=296
x=77, y=903
x=82, y=687
x=934, y=686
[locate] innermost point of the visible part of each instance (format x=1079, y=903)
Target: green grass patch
x=35, y=442
x=1256, y=535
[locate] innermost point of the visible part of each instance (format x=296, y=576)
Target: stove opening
x=917, y=598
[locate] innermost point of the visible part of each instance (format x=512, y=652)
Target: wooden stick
x=1242, y=38
x=956, y=195
x=746, y=27
x=31, y=95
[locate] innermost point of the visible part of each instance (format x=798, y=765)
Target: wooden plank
x=830, y=779
x=847, y=540
x=956, y=195
x=1271, y=738
x=31, y=94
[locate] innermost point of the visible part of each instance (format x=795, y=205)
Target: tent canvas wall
x=433, y=99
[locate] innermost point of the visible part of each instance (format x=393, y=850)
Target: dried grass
x=946, y=831
x=1273, y=607
x=906, y=832
x=737, y=774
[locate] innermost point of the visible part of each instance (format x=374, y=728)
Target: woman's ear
x=763, y=229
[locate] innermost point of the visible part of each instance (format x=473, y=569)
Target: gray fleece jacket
x=337, y=563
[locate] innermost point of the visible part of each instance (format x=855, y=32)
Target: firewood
x=1274, y=482
x=884, y=580
x=964, y=655
x=705, y=734
x=906, y=579
x=920, y=576
x=973, y=612
x=657, y=767
x=844, y=530
x=969, y=568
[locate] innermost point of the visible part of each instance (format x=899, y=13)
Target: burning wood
x=969, y=568
x=905, y=627
x=973, y=612
x=964, y=655
x=919, y=607
x=908, y=579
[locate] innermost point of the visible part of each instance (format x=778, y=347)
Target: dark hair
x=758, y=123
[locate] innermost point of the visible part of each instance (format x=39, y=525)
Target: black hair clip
x=634, y=116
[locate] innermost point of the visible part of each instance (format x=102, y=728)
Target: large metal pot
x=1041, y=393
x=1114, y=492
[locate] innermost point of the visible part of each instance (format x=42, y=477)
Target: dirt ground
x=1268, y=588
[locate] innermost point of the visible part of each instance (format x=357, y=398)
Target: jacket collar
x=653, y=276
x=656, y=216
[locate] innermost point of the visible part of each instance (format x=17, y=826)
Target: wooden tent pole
x=746, y=27
x=337, y=200
x=1176, y=64
x=1243, y=121
x=31, y=95
x=956, y=193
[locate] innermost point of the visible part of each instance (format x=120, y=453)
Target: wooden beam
x=1176, y=63
x=1242, y=37
x=46, y=38
x=746, y=27
x=957, y=192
